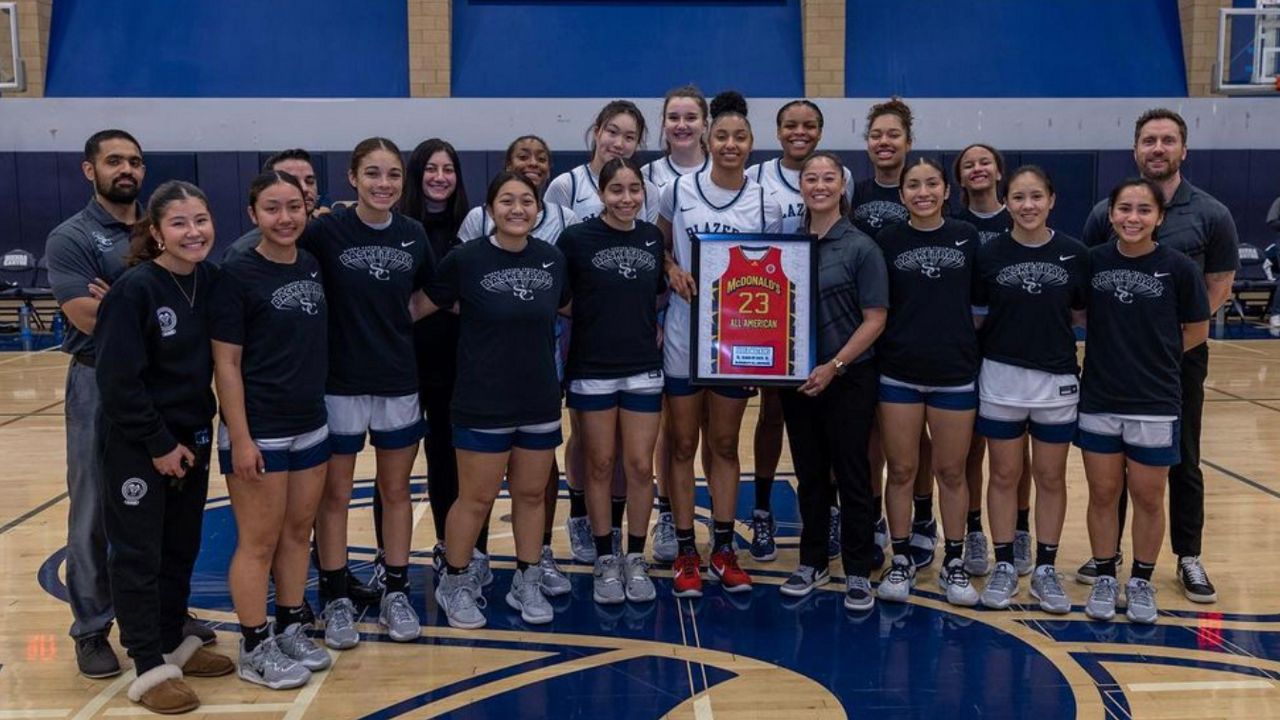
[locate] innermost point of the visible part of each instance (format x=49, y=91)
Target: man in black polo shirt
x=1200, y=226
x=296, y=162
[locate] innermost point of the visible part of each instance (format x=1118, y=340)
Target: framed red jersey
x=753, y=313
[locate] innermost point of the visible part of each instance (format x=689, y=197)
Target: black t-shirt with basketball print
x=369, y=274
x=1133, y=352
x=615, y=276
x=508, y=303
x=1029, y=293
x=929, y=338
x=875, y=207
x=989, y=227
x=277, y=314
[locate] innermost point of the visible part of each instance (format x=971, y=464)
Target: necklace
x=195, y=283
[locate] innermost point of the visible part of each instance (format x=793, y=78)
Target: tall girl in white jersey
x=719, y=199
x=618, y=131
x=684, y=132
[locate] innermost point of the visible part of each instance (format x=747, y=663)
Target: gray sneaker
x=897, y=581
x=554, y=582
x=459, y=598
x=804, y=580
x=606, y=585
x=581, y=545
x=664, y=539
x=857, y=594
x=1001, y=587
x=526, y=596
x=297, y=645
x=1046, y=586
x=955, y=582
x=267, y=665
x=975, y=554
x=1102, y=598
x=399, y=617
x=1140, y=595
x=479, y=568
x=340, y=624
x=1022, y=546
x=636, y=572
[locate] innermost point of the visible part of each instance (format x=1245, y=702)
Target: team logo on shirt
x=133, y=490
x=168, y=321
x=521, y=282
x=103, y=242
x=304, y=295
x=626, y=260
x=1128, y=283
x=1032, y=276
x=378, y=260
x=880, y=213
x=930, y=260
x=986, y=236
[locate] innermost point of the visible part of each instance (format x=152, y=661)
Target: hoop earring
x=159, y=246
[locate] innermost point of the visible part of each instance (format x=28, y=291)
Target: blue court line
x=1114, y=702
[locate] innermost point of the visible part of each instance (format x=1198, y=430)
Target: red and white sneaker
x=687, y=578
x=724, y=567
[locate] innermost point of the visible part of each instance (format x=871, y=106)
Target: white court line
x=298, y=708
x=1201, y=686
x=24, y=356
x=208, y=709
x=23, y=714
x=105, y=696
x=702, y=707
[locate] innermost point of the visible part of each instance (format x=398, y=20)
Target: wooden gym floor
x=759, y=656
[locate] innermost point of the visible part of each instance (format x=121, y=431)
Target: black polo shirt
x=851, y=276
x=90, y=244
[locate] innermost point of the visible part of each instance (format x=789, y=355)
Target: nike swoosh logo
x=314, y=274
x=407, y=244
x=582, y=199
x=688, y=209
x=1064, y=258
x=651, y=243
x=961, y=242
x=547, y=265
x=1160, y=274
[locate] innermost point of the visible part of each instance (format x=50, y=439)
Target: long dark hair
x=414, y=201
x=839, y=165
x=955, y=171
x=142, y=246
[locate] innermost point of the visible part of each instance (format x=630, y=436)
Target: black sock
x=923, y=509
x=333, y=584
x=902, y=546
x=255, y=636
x=577, y=503
x=1024, y=520
x=764, y=493
x=664, y=504
x=546, y=539
x=617, y=508
x=451, y=570
x=685, y=543
x=522, y=565
x=1046, y=554
x=1142, y=570
x=954, y=549
x=1004, y=552
x=604, y=544
x=397, y=578
x=973, y=523
x=635, y=544
x=722, y=535
x=482, y=540
x=286, y=616
x=1106, y=567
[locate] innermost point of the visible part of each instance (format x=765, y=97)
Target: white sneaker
x=954, y=581
x=526, y=596
x=664, y=543
x=635, y=572
x=606, y=586
x=897, y=581
x=554, y=582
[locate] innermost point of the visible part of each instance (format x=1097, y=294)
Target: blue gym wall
x=229, y=48
x=545, y=48
x=1014, y=48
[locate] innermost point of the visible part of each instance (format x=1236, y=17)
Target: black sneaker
x=361, y=593
x=857, y=594
x=1088, y=572
x=95, y=657
x=804, y=580
x=1195, y=581
x=194, y=628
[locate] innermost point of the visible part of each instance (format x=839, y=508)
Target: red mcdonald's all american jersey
x=753, y=315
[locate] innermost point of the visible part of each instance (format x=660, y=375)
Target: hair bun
x=728, y=101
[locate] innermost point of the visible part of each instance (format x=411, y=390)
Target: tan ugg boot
x=161, y=690
x=196, y=661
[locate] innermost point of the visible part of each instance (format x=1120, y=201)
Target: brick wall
x=823, y=23
x=429, y=47
x=1200, y=42
x=33, y=43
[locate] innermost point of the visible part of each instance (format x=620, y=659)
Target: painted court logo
x=1032, y=276
x=880, y=213
x=133, y=490
x=626, y=260
x=521, y=282
x=379, y=261
x=304, y=295
x=1127, y=283
x=930, y=261
x=168, y=321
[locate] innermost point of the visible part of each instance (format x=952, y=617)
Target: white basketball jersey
x=662, y=171
x=696, y=205
x=550, y=223
x=784, y=186
x=576, y=190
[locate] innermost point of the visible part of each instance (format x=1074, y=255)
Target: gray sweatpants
x=87, y=582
